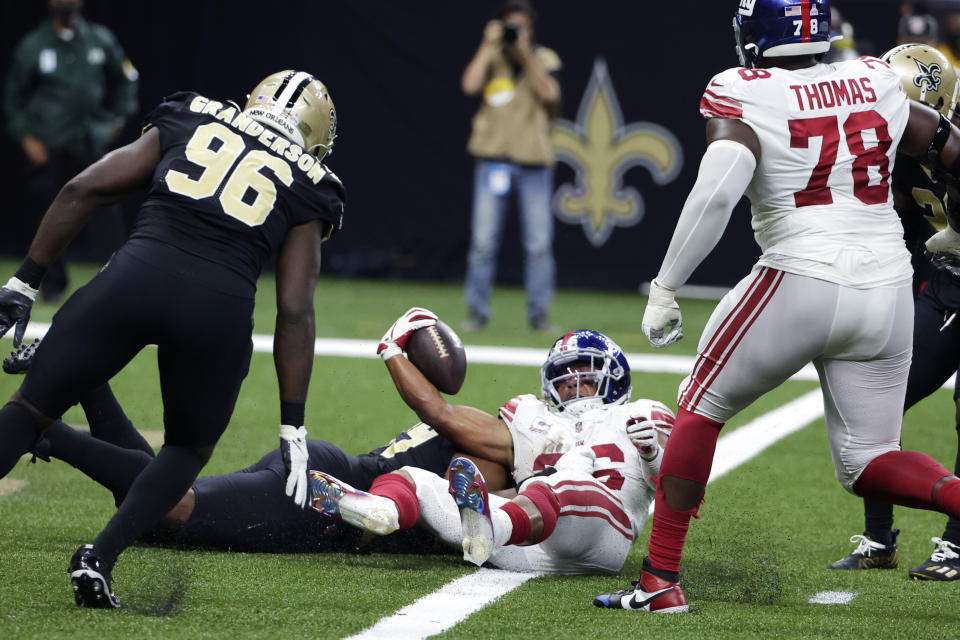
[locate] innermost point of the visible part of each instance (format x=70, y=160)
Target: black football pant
x=936, y=357
x=203, y=354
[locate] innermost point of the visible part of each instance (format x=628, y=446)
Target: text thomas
x=832, y=93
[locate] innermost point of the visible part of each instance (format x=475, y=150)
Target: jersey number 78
x=827, y=128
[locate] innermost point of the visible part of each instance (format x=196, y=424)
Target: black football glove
x=16, y=300
x=19, y=360
x=293, y=449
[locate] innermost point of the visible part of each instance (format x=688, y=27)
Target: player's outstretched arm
x=472, y=431
x=733, y=151
x=298, y=267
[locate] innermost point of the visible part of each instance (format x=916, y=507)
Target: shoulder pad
x=509, y=410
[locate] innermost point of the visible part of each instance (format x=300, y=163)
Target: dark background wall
x=394, y=68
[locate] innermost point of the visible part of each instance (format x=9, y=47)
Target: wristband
x=31, y=273
x=291, y=413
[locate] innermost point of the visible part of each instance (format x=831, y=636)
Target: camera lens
x=510, y=31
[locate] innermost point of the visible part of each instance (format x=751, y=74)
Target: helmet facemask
x=601, y=373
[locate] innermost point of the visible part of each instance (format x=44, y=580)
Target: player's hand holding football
x=293, y=449
x=16, y=300
x=395, y=339
x=661, y=319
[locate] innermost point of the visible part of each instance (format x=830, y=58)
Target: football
x=439, y=355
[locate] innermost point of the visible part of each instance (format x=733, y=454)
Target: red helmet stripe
x=805, y=20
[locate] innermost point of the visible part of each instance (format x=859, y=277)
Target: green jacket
x=71, y=94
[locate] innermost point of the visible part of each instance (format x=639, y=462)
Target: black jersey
x=921, y=201
x=419, y=446
x=228, y=190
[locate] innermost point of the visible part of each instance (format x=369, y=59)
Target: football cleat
x=19, y=361
x=943, y=564
x=469, y=491
x=336, y=498
x=91, y=581
x=649, y=593
x=870, y=554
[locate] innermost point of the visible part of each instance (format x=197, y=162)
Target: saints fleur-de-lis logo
x=929, y=73
x=600, y=149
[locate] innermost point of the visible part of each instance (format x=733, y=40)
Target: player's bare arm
x=735, y=131
x=298, y=268
x=118, y=175
x=929, y=135
x=473, y=431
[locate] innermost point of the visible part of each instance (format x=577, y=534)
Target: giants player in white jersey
x=583, y=459
x=812, y=146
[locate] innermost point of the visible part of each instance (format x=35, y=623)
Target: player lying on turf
x=583, y=458
x=247, y=510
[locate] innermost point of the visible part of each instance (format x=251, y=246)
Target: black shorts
x=248, y=511
x=202, y=337
x=936, y=338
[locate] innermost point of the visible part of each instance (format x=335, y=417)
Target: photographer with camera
x=511, y=141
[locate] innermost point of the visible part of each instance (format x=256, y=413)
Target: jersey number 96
x=221, y=154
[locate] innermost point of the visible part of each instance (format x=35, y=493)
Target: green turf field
x=754, y=559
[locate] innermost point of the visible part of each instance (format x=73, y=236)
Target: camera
x=510, y=32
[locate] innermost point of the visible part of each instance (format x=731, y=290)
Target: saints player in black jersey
x=226, y=189
x=923, y=202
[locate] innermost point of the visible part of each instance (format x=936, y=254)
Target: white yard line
x=832, y=597
x=513, y=356
x=437, y=612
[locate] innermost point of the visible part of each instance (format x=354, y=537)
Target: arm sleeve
x=725, y=172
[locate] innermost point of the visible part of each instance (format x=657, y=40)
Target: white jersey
x=820, y=195
x=541, y=437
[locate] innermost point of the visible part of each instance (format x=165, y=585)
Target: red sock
x=688, y=455
x=520, y=521
x=908, y=478
x=394, y=487
x=546, y=502
x=949, y=498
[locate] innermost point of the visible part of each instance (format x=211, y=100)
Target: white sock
x=502, y=527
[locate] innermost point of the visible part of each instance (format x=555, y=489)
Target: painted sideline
x=459, y=599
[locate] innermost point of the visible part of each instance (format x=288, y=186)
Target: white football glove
x=945, y=241
x=644, y=425
x=395, y=339
x=293, y=448
x=661, y=318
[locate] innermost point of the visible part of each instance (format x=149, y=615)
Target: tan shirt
x=511, y=122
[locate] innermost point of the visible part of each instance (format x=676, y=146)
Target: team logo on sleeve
x=930, y=74
x=746, y=7
x=600, y=149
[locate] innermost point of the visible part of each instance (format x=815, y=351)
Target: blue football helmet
x=608, y=370
x=774, y=28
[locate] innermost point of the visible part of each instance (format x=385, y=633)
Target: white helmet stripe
x=293, y=88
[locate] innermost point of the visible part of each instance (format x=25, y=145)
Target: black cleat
x=870, y=554
x=19, y=361
x=91, y=581
x=943, y=564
